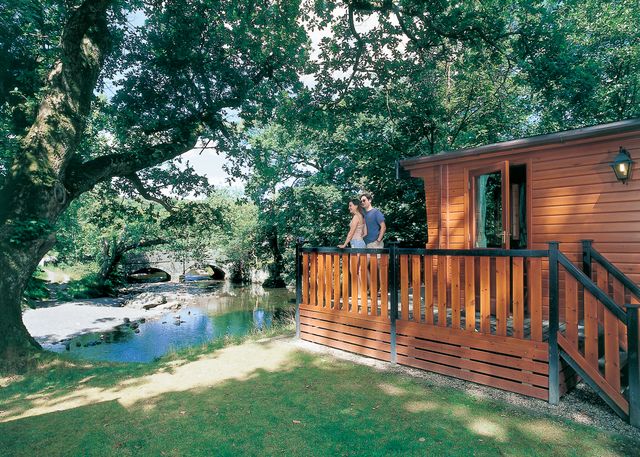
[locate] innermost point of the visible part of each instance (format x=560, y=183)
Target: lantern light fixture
x=622, y=165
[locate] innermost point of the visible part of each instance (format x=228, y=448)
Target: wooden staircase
x=599, y=336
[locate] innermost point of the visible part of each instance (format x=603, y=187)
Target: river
x=209, y=310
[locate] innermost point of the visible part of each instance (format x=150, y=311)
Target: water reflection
x=221, y=310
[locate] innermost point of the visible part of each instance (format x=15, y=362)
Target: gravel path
x=582, y=405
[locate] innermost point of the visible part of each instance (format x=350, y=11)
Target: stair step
x=625, y=392
x=623, y=361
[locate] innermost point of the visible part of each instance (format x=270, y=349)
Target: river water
x=213, y=310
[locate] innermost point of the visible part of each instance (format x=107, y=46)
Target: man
x=375, y=223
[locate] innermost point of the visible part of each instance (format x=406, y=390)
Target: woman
x=357, y=227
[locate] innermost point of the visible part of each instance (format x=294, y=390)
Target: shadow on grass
x=302, y=405
x=57, y=382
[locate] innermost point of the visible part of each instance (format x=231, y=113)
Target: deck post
x=554, y=318
x=299, y=243
x=586, y=257
x=633, y=364
x=393, y=290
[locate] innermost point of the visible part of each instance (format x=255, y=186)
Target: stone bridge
x=175, y=264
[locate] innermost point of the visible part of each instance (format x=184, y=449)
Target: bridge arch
x=149, y=274
x=210, y=270
x=175, y=264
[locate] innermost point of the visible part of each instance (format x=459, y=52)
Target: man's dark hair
x=366, y=194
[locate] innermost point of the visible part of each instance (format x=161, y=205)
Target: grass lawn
x=267, y=398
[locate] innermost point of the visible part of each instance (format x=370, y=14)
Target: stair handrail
x=628, y=315
x=633, y=364
x=589, y=252
x=588, y=284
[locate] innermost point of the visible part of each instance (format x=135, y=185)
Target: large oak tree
x=176, y=78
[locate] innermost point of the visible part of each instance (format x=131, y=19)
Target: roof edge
x=538, y=140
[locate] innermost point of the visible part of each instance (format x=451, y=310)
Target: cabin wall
x=572, y=195
x=575, y=196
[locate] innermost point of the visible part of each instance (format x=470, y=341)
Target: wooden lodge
x=529, y=279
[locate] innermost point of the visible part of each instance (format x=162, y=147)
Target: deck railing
x=489, y=291
x=506, y=318
x=599, y=338
x=471, y=313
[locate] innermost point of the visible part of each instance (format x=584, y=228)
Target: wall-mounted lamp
x=622, y=165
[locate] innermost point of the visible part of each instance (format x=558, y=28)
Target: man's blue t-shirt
x=373, y=219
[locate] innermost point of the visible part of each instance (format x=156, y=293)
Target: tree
x=581, y=61
x=190, y=63
x=401, y=79
x=237, y=240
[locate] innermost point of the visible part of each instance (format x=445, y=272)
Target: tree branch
x=82, y=177
x=137, y=183
x=51, y=142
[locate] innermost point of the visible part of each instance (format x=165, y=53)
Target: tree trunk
x=275, y=269
x=109, y=260
x=114, y=250
x=17, y=263
x=34, y=194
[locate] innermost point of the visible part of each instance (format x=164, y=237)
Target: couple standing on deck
x=367, y=225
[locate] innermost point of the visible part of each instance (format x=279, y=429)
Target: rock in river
x=147, y=300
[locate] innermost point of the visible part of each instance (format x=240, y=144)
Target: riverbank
x=147, y=321
x=272, y=397
x=56, y=321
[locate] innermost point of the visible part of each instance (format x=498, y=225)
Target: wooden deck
x=523, y=321
x=497, y=329
x=501, y=346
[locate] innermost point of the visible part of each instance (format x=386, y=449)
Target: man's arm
x=383, y=228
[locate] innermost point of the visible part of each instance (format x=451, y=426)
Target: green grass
x=75, y=272
x=82, y=282
x=313, y=406
x=88, y=286
x=36, y=290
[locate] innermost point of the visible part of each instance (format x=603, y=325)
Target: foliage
x=175, y=77
x=90, y=285
x=581, y=61
x=36, y=290
x=389, y=80
x=392, y=80
x=221, y=225
x=239, y=243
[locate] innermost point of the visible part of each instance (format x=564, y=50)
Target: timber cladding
x=570, y=190
x=345, y=304
x=506, y=363
x=368, y=336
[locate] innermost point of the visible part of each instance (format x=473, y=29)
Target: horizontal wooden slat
x=346, y=346
x=348, y=329
x=597, y=179
x=372, y=322
x=600, y=227
x=531, y=391
x=622, y=215
x=575, y=189
x=365, y=342
x=586, y=197
x=479, y=367
x=475, y=354
x=498, y=344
